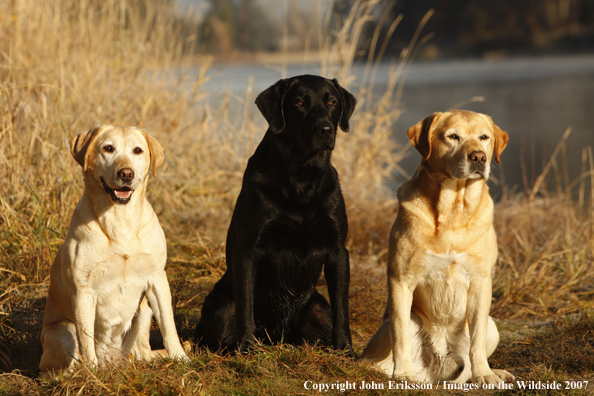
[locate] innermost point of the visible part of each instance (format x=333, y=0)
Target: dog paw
x=183, y=358
x=245, y=345
x=504, y=375
x=406, y=377
x=92, y=366
x=346, y=348
x=490, y=379
x=186, y=359
x=350, y=353
x=187, y=347
x=92, y=363
x=180, y=356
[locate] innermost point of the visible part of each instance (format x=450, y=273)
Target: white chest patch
x=447, y=262
x=118, y=283
x=441, y=294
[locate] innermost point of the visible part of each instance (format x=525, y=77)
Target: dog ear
x=80, y=144
x=270, y=102
x=420, y=135
x=156, y=151
x=347, y=105
x=501, y=139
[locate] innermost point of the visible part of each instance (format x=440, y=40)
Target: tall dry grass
x=68, y=65
x=546, y=244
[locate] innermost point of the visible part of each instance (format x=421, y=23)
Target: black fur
x=289, y=223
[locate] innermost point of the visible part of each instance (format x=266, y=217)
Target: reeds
x=68, y=65
x=546, y=246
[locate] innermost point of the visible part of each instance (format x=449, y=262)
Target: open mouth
x=118, y=195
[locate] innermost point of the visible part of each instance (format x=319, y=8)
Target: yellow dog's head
x=117, y=158
x=459, y=143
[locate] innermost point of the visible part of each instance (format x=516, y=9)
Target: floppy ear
x=347, y=105
x=501, y=139
x=80, y=144
x=156, y=151
x=270, y=102
x=420, y=135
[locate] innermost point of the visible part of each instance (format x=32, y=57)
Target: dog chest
x=115, y=267
x=289, y=276
x=441, y=294
x=300, y=237
x=294, y=254
x=119, y=283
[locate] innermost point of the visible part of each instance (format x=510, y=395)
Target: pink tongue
x=123, y=194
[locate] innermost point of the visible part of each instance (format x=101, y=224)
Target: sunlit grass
x=70, y=65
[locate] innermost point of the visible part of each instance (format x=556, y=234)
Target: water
x=533, y=99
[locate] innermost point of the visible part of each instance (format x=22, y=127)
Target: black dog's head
x=306, y=110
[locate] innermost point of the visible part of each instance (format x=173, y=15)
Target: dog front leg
x=479, y=303
x=85, y=305
x=159, y=297
x=400, y=296
x=244, y=279
x=337, y=272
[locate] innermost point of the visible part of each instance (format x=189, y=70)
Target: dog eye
x=138, y=150
x=299, y=102
x=108, y=148
x=331, y=102
x=453, y=136
x=484, y=137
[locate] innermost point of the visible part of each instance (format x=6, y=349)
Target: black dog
x=289, y=223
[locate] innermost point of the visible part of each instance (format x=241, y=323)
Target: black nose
x=324, y=129
x=126, y=174
x=477, y=157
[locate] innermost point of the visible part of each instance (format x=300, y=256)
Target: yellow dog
x=112, y=263
x=441, y=254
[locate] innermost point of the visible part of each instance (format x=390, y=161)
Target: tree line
x=455, y=28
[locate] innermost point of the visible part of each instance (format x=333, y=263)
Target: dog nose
x=126, y=174
x=324, y=128
x=477, y=157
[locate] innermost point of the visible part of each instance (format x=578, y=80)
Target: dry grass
x=545, y=262
x=69, y=65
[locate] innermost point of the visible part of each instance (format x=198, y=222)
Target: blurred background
x=189, y=72
x=461, y=28
x=527, y=63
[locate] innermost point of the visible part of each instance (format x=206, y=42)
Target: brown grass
x=67, y=66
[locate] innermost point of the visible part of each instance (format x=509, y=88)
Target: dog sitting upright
x=112, y=263
x=441, y=253
x=289, y=223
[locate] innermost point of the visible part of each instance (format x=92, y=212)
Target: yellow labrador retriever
x=442, y=250
x=112, y=263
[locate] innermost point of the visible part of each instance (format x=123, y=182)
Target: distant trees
x=479, y=26
x=247, y=25
x=238, y=24
x=460, y=27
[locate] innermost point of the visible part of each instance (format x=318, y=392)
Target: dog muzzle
x=120, y=195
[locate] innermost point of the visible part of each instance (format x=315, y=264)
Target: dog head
x=305, y=111
x=459, y=143
x=119, y=159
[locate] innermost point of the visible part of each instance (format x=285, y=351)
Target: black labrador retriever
x=289, y=223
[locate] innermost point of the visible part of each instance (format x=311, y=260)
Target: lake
x=533, y=99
